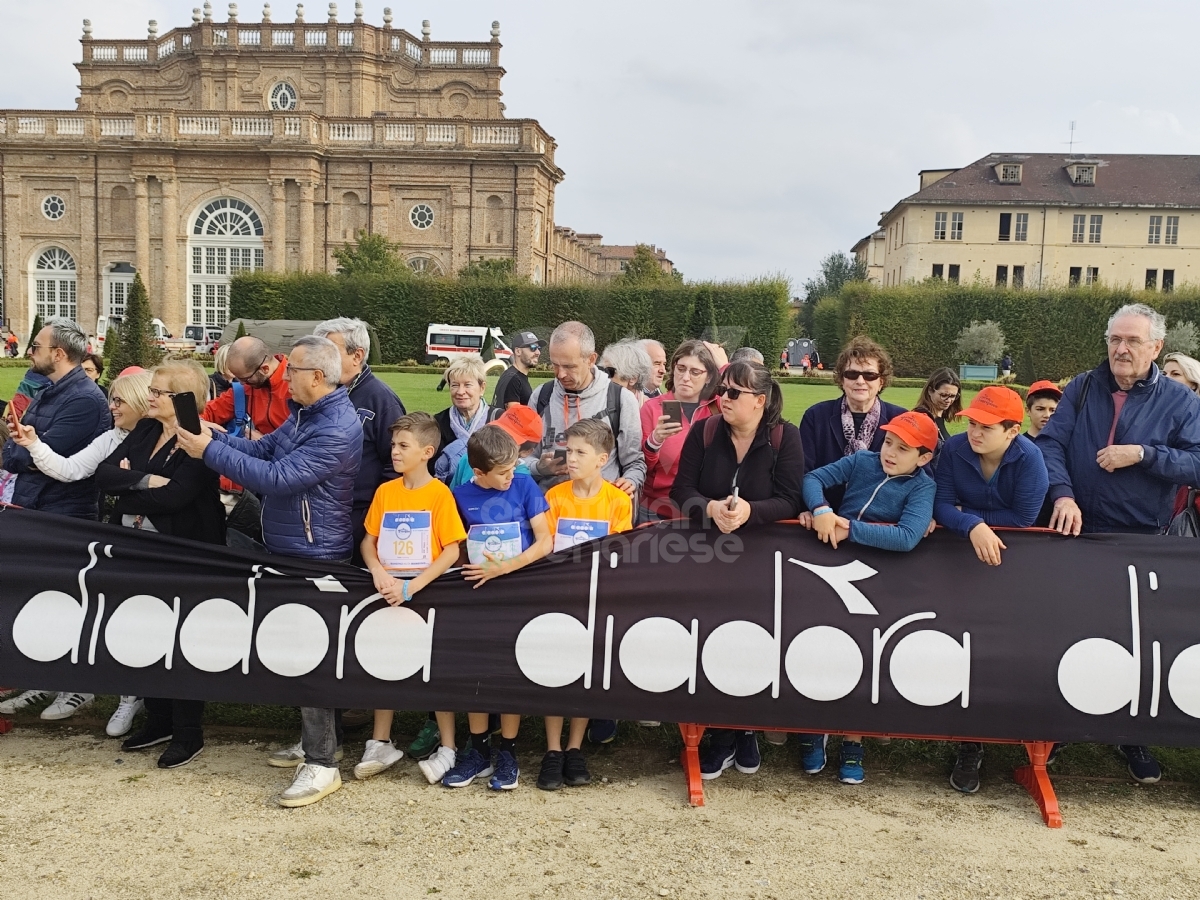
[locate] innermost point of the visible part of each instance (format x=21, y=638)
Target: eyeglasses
x=855, y=374
x=256, y=374
x=116, y=402
x=733, y=393
x=680, y=371
x=158, y=395
x=291, y=369
x=944, y=396
x=536, y=348
x=1131, y=343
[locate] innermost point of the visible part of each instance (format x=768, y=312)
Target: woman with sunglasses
x=162, y=490
x=743, y=467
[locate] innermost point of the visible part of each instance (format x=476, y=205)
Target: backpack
x=240, y=425
x=612, y=410
x=1187, y=522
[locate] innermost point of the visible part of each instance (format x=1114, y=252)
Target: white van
x=444, y=343
x=161, y=335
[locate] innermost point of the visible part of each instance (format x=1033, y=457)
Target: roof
x=626, y=251
x=880, y=234
x=1122, y=179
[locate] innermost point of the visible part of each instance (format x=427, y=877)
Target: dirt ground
x=80, y=819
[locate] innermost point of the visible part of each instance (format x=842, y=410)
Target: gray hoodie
x=567, y=408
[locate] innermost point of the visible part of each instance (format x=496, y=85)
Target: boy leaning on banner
x=505, y=515
x=583, y=508
x=888, y=504
x=413, y=533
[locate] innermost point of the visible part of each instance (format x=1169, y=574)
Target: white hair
x=323, y=354
x=647, y=343
x=577, y=331
x=630, y=361
x=469, y=366
x=353, y=331
x=69, y=338
x=1158, y=322
x=749, y=354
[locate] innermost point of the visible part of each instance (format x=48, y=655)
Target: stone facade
x=234, y=146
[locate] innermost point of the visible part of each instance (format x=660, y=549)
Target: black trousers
x=183, y=719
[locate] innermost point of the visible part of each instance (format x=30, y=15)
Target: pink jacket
x=663, y=463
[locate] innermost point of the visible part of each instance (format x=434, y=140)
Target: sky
x=752, y=138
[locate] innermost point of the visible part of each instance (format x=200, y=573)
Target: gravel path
x=79, y=819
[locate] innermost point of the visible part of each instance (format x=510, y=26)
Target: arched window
x=423, y=265
x=54, y=282
x=225, y=240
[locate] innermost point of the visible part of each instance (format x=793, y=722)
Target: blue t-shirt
x=498, y=521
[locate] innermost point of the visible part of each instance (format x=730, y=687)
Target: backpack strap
x=543, y=400
x=614, y=408
x=710, y=430
x=239, y=406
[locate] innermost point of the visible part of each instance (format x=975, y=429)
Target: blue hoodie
x=873, y=497
x=1012, y=498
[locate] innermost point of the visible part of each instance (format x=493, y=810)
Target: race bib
x=502, y=541
x=572, y=532
x=406, y=541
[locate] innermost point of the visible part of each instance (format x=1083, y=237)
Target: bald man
x=260, y=374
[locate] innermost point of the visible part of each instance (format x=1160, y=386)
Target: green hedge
x=918, y=323
x=753, y=313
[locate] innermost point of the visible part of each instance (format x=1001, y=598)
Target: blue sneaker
x=746, y=757
x=812, y=752
x=470, y=765
x=850, y=768
x=601, y=731
x=1142, y=765
x=718, y=757
x=507, y=772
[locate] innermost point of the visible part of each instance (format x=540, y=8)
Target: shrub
x=980, y=344
x=1182, y=337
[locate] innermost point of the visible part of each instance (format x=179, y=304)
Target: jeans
x=320, y=735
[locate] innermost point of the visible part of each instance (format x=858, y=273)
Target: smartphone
x=673, y=410
x=560, y=456
x=733, y=500
x=185, y=412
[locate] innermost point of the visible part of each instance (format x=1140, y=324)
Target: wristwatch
x=1141, y=452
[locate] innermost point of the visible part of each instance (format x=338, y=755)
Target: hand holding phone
x=186, y=413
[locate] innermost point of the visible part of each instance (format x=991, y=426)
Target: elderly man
x=305, y=471
x=260, y=372
x=377, y=406
x=1122, y=439
x=580, y=391
x=658, y=367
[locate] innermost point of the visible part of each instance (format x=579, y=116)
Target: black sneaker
x=550, y=778
x=720, y=755
x=746, y=758
x=1142, y=765
x=575, y=770
x=179, y=753
x=965, y=776
x=1054, y=751
x=145, y=738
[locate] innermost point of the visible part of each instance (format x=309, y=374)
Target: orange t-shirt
x=575, y=520
x=413, y=527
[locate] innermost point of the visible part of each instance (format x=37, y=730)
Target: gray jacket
x=565, y=409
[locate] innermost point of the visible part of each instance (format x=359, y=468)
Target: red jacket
x=662, y=464
x=266, y=405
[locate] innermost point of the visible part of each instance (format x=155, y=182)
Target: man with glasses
x=68, y=414
x=261, y=375
x=1121, y=440
x=513, y=388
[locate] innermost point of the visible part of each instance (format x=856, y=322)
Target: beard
x=46, y=368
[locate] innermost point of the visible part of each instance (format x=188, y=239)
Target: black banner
x=1084, y=639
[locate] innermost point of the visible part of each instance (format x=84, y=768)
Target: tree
x=644, y=268
x=38, y=325
x=111, y=338
x=980, y=344
x=1182, y=337
x=370, y=254
x=837, y=269
x=1026, y=369
x=241, y=330
x=489, y=270
x=135, y=344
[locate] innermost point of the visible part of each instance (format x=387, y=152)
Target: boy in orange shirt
x=413, y=533
x=581, y=509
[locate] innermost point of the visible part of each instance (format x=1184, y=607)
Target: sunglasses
x=536, y=348
x=732, y=393
x=855, y=374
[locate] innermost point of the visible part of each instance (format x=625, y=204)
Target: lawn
x=419, y=392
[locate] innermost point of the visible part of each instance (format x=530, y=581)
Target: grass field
x=419, y=392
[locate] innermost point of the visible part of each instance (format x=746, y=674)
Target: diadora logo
x=742, y=658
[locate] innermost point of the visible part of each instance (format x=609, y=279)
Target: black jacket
x=768, y=480
x=188, y=507
x=378, y=408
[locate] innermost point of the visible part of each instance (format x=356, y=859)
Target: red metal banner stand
x=1032, y=777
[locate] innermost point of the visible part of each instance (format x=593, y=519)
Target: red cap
x=130, y=370
x=522, y=423
x=915, y=429
x=1048, y=386
x=995, y=404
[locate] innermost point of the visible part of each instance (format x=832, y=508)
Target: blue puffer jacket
x=1159, y=414
x=304, y=471
x=68, y=415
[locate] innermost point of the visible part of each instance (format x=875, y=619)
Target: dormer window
x=1082, y=173
x=1009, y=173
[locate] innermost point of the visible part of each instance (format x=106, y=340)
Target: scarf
x=864, y=438
x=464, y=429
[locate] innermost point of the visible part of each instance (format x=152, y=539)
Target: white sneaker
x=290, y=757
x=21, y=701
x=378, y=755
x=66, y=704
x=310, y=785
x=435, y=768
x=122, y=719
x=649, y=723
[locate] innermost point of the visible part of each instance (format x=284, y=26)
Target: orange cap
x=995, y=404
x=522, y=423
x=1048, y=386
x=915, y=429
x=130, y=370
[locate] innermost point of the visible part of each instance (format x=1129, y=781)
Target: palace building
x=1043, y=219
x=236, y=146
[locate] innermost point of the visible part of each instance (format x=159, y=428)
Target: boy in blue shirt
x=505, y=515
x=888, y=504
